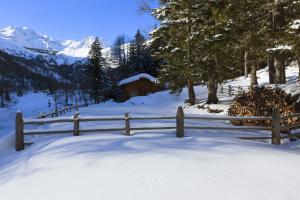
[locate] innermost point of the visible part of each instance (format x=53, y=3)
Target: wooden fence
x=230, y=90
x=179, y=127
x=62, y=111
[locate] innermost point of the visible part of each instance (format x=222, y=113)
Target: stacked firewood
x=260, y=101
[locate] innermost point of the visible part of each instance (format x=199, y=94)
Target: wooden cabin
x=139, y=85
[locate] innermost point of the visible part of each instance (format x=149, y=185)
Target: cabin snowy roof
x=136, y=78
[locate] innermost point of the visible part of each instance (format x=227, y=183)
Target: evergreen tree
x=249, y=19
x=295, y=42
x=1, y=91
x=175, y=50
x=120, y=55
x=281, y=15
x=196, y=44
x=211, y=41
x=140, y=58
x=67, y=74
x=136, y=53
x=94, y=71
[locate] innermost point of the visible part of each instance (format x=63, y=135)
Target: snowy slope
x=26, y=37
x=150, y=164
x=77, y=48
x=292, y=86
x=206, y=164
x=26, y=42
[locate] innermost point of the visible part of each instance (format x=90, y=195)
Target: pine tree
x=196, y=44
x=211, y=41
x=293, y=31
x=174, y=48
x=120, y=56
x=295, y=42
x=282, y=15
x=66, y=72
x=136, y=53
x=94, y=71
x=118, y=50
x=1, y=91
x=140, y=58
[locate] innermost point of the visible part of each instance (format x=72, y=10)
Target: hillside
x=26, y=73
x=33, y=61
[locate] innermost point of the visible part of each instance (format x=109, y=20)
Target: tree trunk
x=1, y=92
x=280, y=77
x=246, y=64
x=298, y=60
x=277, y=71
x=66, y=93
x=283, y=74
x=253, y=74
x=212, y=91
x=271, y=69
x=192, y=96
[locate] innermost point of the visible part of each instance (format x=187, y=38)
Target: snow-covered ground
x=31, y=105
x=151, y=164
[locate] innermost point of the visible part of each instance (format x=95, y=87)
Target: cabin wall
x=141, y=87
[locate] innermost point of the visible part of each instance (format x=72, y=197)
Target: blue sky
x=76, y=19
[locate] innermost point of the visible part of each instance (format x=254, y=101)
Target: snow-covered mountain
x=25, y=42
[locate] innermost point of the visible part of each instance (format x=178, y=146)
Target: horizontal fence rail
x=62, y=111
x=229, y=118
x=179, y=123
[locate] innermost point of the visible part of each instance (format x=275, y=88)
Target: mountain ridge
x=25, y=42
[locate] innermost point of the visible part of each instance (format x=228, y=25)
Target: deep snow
x=152, y=164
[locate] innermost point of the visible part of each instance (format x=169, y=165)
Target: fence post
x=19, y=145
x=229, y=90
x=76, y=124
x=127, y=124
x=180, y=123
x=240, y=90
x=276, y=139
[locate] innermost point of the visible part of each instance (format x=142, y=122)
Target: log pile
x=260, y=101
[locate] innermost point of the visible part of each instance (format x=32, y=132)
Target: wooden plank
x=100, y=119
x=127, y=124
x=151, y=118
x=290, y=126
x=47, y=132
x=229, y=118
x=276, y=127
x=120, y=119
x=291, y=136
x=229, y=128
x=46, y=121
x=290, y=116
x=19, y=135
x=76, y=124
x=151, y=128
x=180, y=123
x=102, y=130
x=255, y=138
